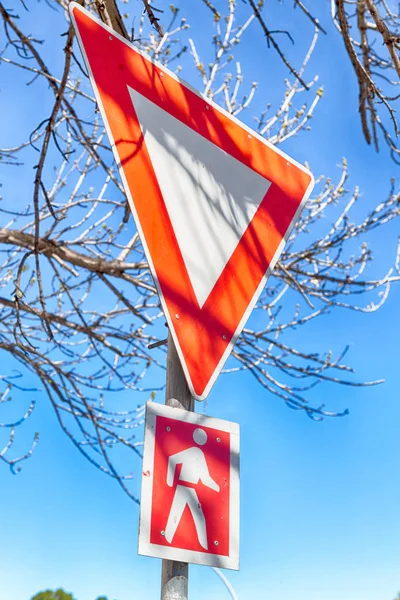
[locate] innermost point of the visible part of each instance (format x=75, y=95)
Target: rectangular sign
x=189, y=508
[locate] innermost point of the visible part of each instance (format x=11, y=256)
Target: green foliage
x=57, y=595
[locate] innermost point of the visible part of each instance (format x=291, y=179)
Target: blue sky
x=320, y=501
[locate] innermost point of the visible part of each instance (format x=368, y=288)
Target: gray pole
x=174, y=579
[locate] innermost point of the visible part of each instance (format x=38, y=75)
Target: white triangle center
x=210, y=196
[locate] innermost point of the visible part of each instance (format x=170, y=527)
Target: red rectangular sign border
x=145, y=547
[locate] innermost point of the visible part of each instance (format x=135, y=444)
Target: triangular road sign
x=213, y=201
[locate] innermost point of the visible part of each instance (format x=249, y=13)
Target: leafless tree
x=371, y=34
x=78, y=306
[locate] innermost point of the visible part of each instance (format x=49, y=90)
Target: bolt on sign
x=213, y=201
x=189, y=508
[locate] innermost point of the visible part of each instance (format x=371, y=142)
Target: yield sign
x=213, y=201
x=189, y=508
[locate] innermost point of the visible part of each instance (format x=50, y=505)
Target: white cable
x=226, y=582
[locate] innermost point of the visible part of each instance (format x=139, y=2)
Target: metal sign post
x=175, y=575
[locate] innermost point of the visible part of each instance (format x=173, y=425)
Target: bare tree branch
x=78, y=306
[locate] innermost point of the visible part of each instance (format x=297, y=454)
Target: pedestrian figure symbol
x=194, y=469
x=190, y=488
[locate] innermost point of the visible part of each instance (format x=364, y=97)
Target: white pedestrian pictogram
x=194, y=469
